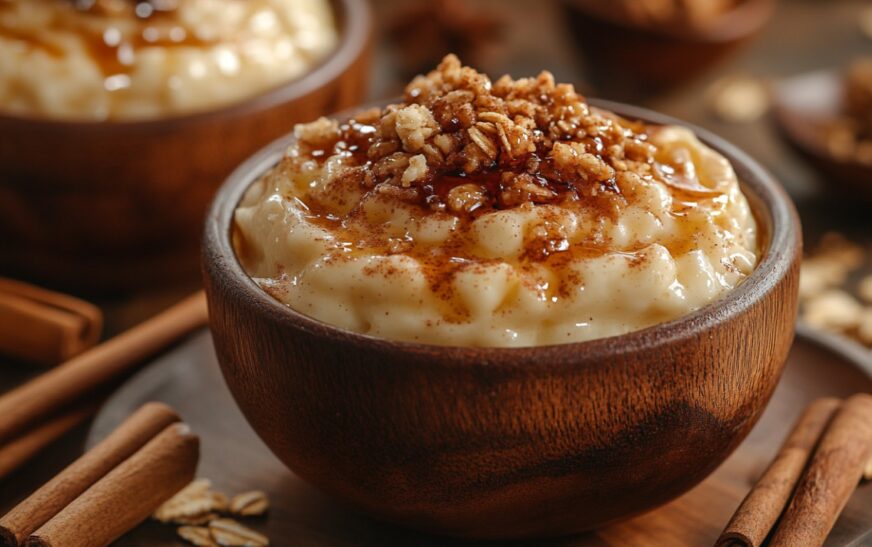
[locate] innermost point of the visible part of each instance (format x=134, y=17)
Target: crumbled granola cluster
x=464, y=144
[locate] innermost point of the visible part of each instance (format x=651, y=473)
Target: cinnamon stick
x=127, y=495
x=97, y=367
x=50, y=499
x=15, y=453
x=761, y=508
x=45, y=327
x=832, y=475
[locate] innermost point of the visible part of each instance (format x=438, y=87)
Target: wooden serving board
x=235, y=459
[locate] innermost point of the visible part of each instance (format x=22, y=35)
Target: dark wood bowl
x=117, y=205
x=803, y=107
x=507, y=443
x=630, y=61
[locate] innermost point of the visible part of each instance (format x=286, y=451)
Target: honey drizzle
x=111, y=49
x=440, y=263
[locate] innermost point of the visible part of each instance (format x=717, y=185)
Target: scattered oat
x=824, y=303
x=197, y=535
x=195, y=504
x=198, y=508
x=229, y=533
x=249, y=504
x=837, y=248
x=829, y=266
x=195, y=520
x=739, y=99
x=834, y=310
x=817, y=275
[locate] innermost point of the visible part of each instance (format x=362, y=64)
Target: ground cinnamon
x=45, y=327
x=60, y=491
x=832, y=475
x=127, y=495
x=761, y=508
x=34, y=401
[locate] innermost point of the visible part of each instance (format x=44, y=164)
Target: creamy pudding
x=124, y=59
x=507, y=213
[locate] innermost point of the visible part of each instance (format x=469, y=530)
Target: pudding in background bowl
x=510, y=214
x=826, y=117
x=119, y=60
x=456, y=433
x=119, y=119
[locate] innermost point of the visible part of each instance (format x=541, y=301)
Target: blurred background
x=769, y=76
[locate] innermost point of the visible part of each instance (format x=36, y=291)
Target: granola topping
x=467, y=181
x=505, y=144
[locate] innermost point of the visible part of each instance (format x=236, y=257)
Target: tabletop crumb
x=826, y=299
x=739, y=99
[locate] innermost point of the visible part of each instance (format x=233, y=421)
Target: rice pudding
x=507, y=213
x=124, y=59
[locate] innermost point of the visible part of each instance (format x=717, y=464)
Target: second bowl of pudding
x=120, y=119
x=498, y=310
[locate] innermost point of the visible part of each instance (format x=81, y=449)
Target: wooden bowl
x=109, y=205
x=630, y=60
x=803, y=107
x=499, y=442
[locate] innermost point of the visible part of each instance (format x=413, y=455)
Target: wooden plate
x=804, y=106
x=235, y=459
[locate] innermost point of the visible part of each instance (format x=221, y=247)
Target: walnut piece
x=455, y=122
x=466, y=198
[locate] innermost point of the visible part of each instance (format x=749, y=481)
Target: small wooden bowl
x=117, y=205
x=803, y=106
x=507, y=443
x=630, y=61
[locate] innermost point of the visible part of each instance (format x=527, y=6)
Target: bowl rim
x=354, y=21
x=771, y=205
